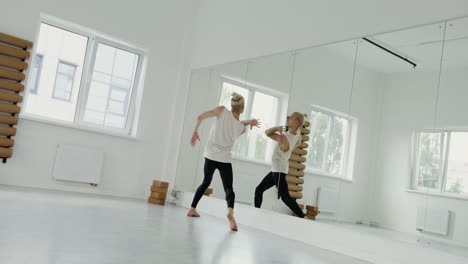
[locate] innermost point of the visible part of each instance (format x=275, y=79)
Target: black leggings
x=271, y=180
x=225, y=170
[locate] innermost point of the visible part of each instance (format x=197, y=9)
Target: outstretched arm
x=211, y=113
x=251, y=122
x=276, y=133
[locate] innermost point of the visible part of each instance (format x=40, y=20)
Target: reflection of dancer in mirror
x=287, y=142
x=218, y=150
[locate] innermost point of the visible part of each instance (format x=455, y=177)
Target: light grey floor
x=55, y=227
x=422, y=240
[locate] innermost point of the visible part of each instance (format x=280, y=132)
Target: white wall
x=164, y=28
x=408, y=102
x=234, y=30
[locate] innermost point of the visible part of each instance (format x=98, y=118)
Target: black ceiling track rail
x=391, y=52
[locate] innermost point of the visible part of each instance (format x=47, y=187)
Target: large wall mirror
x=385, y=149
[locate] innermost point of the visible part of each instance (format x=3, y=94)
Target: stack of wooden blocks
x=208, y=192
x=295, y=177
x=158, y=192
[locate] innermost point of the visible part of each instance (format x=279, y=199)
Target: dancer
x=218, y=151
x=287, y=142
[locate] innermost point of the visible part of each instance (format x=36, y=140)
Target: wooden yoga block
x=297, y=158
x=8, y=119
x=158, y=189
x=295, y=195
x=160, y=184
x=296, y=165
x=6, y=142
x=300, y=151
x=6, y=152
x=295, y=188
x=10, y=97
x=297, y=173
x=7, y=131
x=11, y=86
x=14, y=52
x=305, y=138
x=9, y=108
x=13, y=63
x=156, y=201
x=156, y=195
x=312, y=209
x=208, y=192
x=305, y=131
x=294, y=180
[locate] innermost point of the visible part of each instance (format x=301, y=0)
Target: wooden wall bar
x=13, y=55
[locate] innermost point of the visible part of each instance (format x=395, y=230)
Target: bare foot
x=232, y=221
x=192, y=213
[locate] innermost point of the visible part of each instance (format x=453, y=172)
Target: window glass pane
x=125, y=63
x=57, y=80
x=320, y=124
x=457, y=169
x=112, y=81
x=105, y=58
x=428, y=167
x=225, y=98
x=336, y=146
x=35, y=74
x=99, y=89
x=265, y=108
x=64, y=81
x=119, y=95
x=116, y=121
x=96, y=117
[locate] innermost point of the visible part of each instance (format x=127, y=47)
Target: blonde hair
x=237, y=102
x=299, y=117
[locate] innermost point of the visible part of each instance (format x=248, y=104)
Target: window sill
x=259, y=162
x=444, y=195
x=74, y=126
x=325, y=175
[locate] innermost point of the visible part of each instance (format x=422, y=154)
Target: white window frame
x=352, y=128
x=94, y=38
x=252, y=88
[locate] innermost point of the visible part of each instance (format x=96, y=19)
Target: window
x=429, y=151
x=329, y=143
x=441, y=161
x=254, y=145
x=35, y=74
x=87, y=80
x=64, y=79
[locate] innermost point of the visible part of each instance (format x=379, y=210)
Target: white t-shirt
x=280, y=158
x=222, y=136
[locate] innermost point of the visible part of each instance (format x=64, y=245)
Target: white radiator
x=327, y=200
x=433, y=220
x=78, y=164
